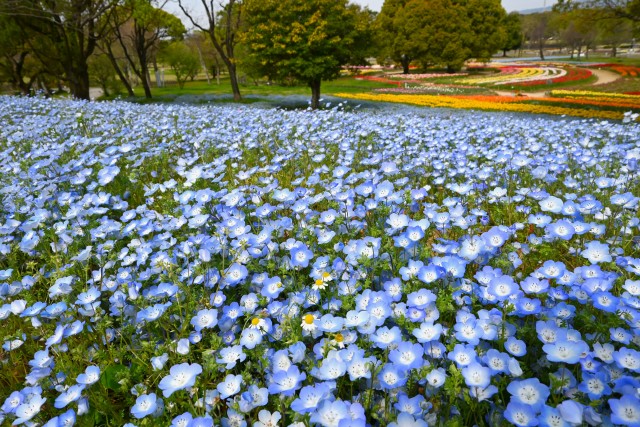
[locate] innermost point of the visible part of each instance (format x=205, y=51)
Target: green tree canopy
x=309, y=40
x=513, y=32
x=65, y=34
x=443, y=32
x=184, y=62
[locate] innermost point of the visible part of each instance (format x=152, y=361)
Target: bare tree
x=138, y=26
x=223, y=28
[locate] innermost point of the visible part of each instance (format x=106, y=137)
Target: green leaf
x=111, y=375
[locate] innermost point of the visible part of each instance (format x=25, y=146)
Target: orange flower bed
x=623, y=70
x=516, y=99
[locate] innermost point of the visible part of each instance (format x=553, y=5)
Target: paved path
x=95, y=93
x=604, y=76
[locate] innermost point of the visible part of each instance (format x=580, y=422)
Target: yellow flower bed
x=524, y=73
x=443, y=101
x=590, y=94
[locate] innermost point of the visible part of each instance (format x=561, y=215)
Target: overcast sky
x=509, y=5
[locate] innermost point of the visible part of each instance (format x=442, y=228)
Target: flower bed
x=623, y=70
x=424, y=76
x=199, y=266
x=492, y=103
x=596, y=95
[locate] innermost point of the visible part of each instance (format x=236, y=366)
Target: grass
x=200, y=87
x=622, y=85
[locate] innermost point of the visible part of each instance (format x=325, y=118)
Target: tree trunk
x=542, y=51
x=233, y=77
x=145, y=83
x=315, y=93
x=119, y=72
x=614, y=51
x=144, y=71
x=504, y=53
x=405, y=64
x=78, y=76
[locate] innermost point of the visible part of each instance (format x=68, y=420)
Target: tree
x=183, y=61
x=446, y=32
x=65, y=34
x=536, y=29
x=614, y=32
x=627, y=9
x=223, y=28
x=17, y=65
x=308, y=40
x=487, y=24
x=393, y=36
x=513, y=33
x=102, y=72
x=138, y=27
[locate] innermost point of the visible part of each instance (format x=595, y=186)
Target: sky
x=509, y=5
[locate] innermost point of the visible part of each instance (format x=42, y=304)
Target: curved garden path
x=604, y=76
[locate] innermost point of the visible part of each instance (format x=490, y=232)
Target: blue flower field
x=240, y=266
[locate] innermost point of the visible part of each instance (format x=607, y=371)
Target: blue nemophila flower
x=300, y=256
x=230, y=386
x=253, y=398
x=330, y=414
x=627, y=358
x=428, y=331
x=625, y=411
x=28, y=409
x=158, y=362
x=520, y=415
x=10, y=404
x=421, y=298
x=407, y=420
x=235, y=274
x=476, y=375
x=205, y=319
x=502, y=287
x=182, y=420
x=515, y=346
x=407, y=356
x=310, y=397
x=468, y=331
x=384, y=336
x=230, y=356
x=267, y=419
x=566, y=351
x=462, y=354
x=392, y=376
x=72, y=394
x=146, y=404
x=596, y=252
x=286, y=382
x=529, y=392
x=250, y=338
x=595, y=385
x=90, y=375
x=180, y=377
x=411, y=406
